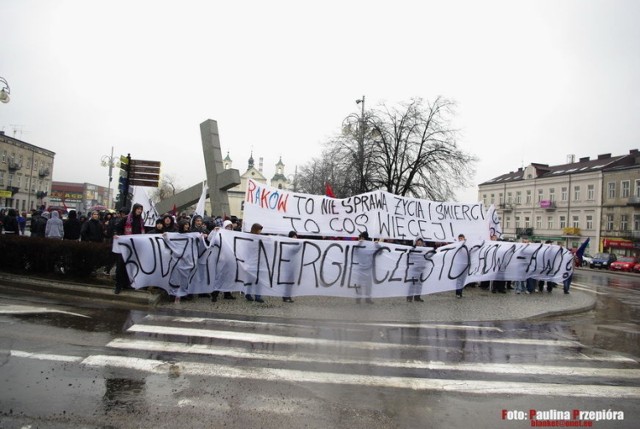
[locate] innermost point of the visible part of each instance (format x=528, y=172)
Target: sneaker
x=458, y=296
x=248, y=297
x=117, y=290
x=566, y=292
x=227, y=295
x=260, y=300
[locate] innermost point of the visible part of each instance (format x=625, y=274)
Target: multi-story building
x=568, y=203
x=81, y=197
x=25, y=174
x=620, y=222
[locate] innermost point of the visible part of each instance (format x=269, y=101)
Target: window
x=1, y=178
x=624, y=222
x=637, y=191
x=552, y=194
x=518, y=197
x=564, y=194
x=575, y=221
x=609, y=226
x=625, y=189
x=539, y=222
x=591, y=192
x=589, y=222
x=549, y=222
x=507, y=222
x=611, y=190
x=540, y=195
x=528, y=199
x=493, y=198
x=517, y=221
x=10, y=180
x=563, y=222
x=500, y=197
x=484, y=199
x=576, y=193
x=4, y=156
x=527, y=222
x=636, y=222
x=508, y=197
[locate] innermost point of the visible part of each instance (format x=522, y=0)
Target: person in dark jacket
x=10, y=223
x=72, y=226
x=39, y=228
x=92, y=229
x=133, y=223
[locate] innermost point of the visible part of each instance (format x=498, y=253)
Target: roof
x=583, y=165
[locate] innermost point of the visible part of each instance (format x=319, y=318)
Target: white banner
x=149, y=212
x=381, y=214
x=280, y=266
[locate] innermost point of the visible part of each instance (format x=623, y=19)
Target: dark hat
x=123, y=210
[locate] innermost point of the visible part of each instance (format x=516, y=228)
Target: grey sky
x=534, y=80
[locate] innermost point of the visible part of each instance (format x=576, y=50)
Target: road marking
x=27, y=309
x=232, y=322
x=586, y=289
x=297, y=376
x=45, y=356
x=266, y=338
x=203, y=349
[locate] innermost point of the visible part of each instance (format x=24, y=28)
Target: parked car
x=636, y=268
x=624, y=263
x=603, y=260
x=587, y=260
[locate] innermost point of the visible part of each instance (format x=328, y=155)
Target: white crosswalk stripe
x=391, y=355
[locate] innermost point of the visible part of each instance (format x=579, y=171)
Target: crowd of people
x=103, y=226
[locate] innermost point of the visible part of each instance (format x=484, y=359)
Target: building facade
x=81, y=197
x=25, y=174
x=568, y=203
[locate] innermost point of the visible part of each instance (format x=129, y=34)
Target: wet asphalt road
x=78, y=364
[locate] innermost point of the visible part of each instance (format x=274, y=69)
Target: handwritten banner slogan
x=379, y=213
x=279, y=266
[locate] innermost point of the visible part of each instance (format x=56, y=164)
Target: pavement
x=477, y=305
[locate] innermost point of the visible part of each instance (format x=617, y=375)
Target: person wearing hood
x=55, y=227
x=72, y=226
x=133, y=223
x=39, y=223
x=197, y=225
x=169, y=223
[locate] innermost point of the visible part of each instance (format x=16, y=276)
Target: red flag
x=174, y=210
x=328, y=191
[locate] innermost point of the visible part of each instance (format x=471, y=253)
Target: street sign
x=142, y=163
x=144, y=176
x=141, y=182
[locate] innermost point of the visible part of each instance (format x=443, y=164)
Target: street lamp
x=5, y=91
x=110, y=161
x=361, y=148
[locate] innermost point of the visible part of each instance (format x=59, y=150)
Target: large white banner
x=381, y=214
x=279, y=266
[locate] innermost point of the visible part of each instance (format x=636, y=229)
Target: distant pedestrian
x=54, y=228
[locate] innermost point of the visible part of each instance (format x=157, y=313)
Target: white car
x=587, y=260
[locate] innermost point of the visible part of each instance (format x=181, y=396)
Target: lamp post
x=5, y=91
x=109, y=161
x=361, y=148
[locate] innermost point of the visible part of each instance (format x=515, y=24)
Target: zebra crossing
x=506, y=358
x=450, y=358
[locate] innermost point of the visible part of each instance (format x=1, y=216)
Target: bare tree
x=167, y=188
x=409, y=150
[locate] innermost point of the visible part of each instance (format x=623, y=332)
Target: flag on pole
x=203, y=197
x=328, y=191
x=581, y=249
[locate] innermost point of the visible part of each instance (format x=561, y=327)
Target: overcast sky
x=534, y=81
